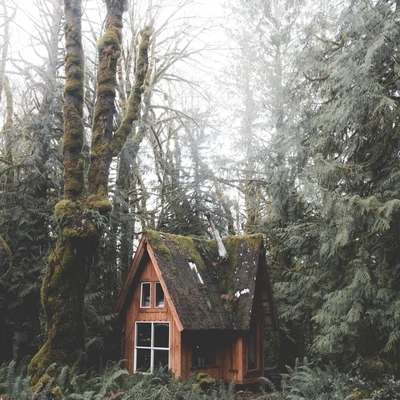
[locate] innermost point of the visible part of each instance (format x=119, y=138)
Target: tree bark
x=63, y=287
x=80, y=219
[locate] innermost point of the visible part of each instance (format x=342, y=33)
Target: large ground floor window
x=151, y=346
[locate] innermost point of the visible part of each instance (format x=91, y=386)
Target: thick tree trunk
x=68, y=269
x=79, y=219
x=63, y=300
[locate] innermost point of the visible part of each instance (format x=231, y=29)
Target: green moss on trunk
x=109, y=49
x=63, y=289
x=63, y=299
x=68, y=268
x=73, y=102
x=134, y=101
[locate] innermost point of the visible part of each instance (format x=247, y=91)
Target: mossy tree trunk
x=78, y=217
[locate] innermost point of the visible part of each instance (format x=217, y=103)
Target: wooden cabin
x=186, y=308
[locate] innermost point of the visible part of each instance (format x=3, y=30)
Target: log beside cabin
x=185, y=308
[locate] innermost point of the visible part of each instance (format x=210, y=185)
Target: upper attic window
x=159, y=300
x=145, y=295
x=193, y=267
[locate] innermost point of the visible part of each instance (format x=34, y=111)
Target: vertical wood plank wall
x=151, y=314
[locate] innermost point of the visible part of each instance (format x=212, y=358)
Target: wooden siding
x=135, y=313
x=231, y=346
x=228, y=363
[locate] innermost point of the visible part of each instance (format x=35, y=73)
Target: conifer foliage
x=347, y=285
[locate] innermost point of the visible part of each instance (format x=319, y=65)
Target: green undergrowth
x=114, y=383
x=304, y=382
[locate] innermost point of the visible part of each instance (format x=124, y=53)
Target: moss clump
x=187, y=244
x=74, y=220
x=111, y=38
x=107, y=88
x=100, y=203
x=106, y=75
x=74, y=86
x=203, y=382
x=44, y=389
x=155, y=239
x=74, y=63
x=65, y=208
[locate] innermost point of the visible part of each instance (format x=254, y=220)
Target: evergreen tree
x=29, y=181
x=348, y=283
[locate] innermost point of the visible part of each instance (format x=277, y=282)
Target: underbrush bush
x=114, y=383
x=312, y=382
x=14, y=384
x=304, y=382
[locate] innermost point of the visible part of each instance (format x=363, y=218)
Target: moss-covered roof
x=223, y=297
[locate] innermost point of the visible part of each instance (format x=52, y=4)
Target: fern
x=14, y=383
x=308, y=382
x=393, y=340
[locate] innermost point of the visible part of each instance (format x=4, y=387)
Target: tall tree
x=29, y=180
x=348, y=282
x=80, y=217
x=265, y=101
x=160, y=190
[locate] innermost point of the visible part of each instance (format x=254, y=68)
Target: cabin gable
x=185, y=307
x=151, y=325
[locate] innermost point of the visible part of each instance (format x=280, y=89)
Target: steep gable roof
x=208, y=293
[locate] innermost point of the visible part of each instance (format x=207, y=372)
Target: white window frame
x=155, y=295
x=142, y=294
x=152, y=348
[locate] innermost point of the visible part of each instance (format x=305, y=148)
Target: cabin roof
x=207, y=292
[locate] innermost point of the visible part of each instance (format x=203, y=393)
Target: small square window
x=159, y=301
x=145, y=295
x=203, y=351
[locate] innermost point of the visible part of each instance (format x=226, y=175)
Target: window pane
x=203, y=355
x=159, y=295
x=145, y=295
x=203, y=350
x=161, y=335
x=143, y=335
x=142, y=360
x=160, y=358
